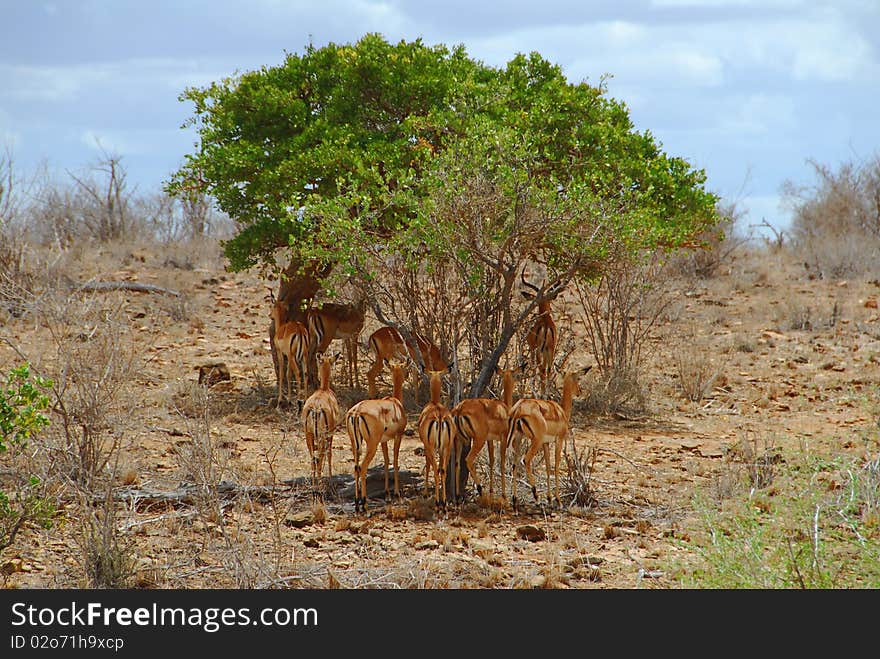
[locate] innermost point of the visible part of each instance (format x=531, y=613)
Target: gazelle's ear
x=586, y=369
x=336, y=356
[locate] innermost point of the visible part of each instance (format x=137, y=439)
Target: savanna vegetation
x=727, y=436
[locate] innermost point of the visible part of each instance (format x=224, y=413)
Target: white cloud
x=719, y=4
x=48, y=83
x=758, y=114
x=130, y=142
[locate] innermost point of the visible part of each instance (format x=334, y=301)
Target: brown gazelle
x=372, y=422
x=542, y=422
x=291, y=343
x=320, y=416
x=387, y=344
x=436, y=430
x=481, y=422
x=337, y=321
x=541, y=338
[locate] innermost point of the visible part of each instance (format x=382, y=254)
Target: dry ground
x=796, y=361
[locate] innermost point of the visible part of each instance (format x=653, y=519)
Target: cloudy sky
x=749, y=90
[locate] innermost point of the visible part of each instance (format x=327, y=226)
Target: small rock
x=531, y=533
x=299, y=520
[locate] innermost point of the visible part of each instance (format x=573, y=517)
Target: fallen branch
x=125, y=286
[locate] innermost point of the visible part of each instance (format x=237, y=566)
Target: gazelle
x=542, y=422
x=320, y=416
x=372, y=422
x=387, y=344
x=291, y=343
x=481, y=422
x=437, y=431
x=541, y=337
x=337, y=321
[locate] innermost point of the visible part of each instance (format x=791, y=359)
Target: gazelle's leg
x=397, y=441
x=491, y=447
x=385, y=455
x=547, y=469
x=471, y=461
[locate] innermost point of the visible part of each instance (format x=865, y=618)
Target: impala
x=436, y=430
x=337, y=321
x=541, y=338
x=320, y=415
x=481, y=422
x=291, y=342
x=542, y=422
x=372, y=422
x=387, y=344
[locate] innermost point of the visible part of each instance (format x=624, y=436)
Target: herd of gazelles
x=375, y=421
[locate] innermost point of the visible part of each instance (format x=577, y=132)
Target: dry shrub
x=697, y=372
x=794, y=315
x=577, y=486
x=92, y=362
x=17, y=278
x=621, y=312
x=836, y=221
x=715, y=247
x=106, y=556
x=750, y=463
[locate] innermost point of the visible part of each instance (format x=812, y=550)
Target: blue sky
x=749, y=90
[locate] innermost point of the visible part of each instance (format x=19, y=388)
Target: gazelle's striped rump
x=291, y=342
x=372, y=422
x=320, y=416
x=436, y=430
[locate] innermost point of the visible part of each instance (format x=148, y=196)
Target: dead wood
x=125, y=286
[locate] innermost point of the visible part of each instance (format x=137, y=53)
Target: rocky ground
x=791, y=361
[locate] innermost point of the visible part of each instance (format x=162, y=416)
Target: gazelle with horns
x=542, y=336
x=372, y=422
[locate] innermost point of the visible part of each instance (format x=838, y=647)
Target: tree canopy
x=383, y=158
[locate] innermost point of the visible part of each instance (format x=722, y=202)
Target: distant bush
x=713, y=248
x=835, y=226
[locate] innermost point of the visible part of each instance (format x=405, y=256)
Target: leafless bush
x=180, y=219
x=836, y=222
x=207, y=466
x=16, y=273
x=106, y=555
x=620, y=392
x=697, y=372
x=751, y=463
x=621, y=312
x=798, y=316
x=104, y=201
x=865, y=488
x=99, y=205
x=94, y=362
x=712, y=248
x=577, y=486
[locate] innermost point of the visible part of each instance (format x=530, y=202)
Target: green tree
x=21, y=405
x=396, y=164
